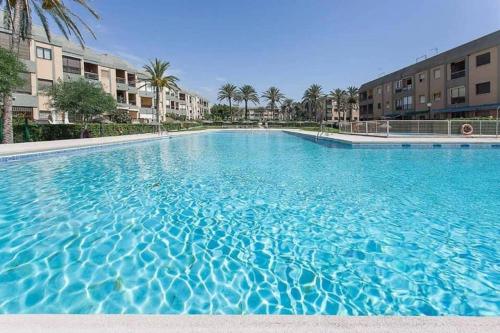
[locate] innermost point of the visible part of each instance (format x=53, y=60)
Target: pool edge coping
x=245, y=323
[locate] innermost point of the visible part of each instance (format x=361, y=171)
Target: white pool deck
x=43, y=146
x=243, y=324
x=222, y=323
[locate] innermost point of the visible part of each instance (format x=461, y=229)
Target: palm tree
x=229, y=92
x=339, y=96
x=287, y=107
x=247, y=94
x=311, y=98
x=273, y=96
x=159, y=80
x=352, y=99
x=19, y=19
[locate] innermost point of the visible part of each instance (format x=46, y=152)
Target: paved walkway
x=244, y=324
x=365, y=139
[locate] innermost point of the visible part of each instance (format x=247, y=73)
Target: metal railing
x=401, y=128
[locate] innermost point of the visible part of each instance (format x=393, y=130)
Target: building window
x=483, y=88
x=43, y=53
x=436, y=97
x=387, y=105
x=44, y=85
x=388, y=88
x=399, y=104
x=25, y=88
x=483, y=59
x=379, y=90
x=437, y=73
x=421, y=99
x=457, y=95
x=407, y=102
x=457, y=69
x=421, y=77
x=72, y=65
x=379, y=106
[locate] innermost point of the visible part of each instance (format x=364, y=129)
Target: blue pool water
x=262, y=223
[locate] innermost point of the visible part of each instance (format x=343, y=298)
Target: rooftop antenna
x=421, y=58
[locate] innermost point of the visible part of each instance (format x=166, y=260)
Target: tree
x=18, y=14
x=159, y=80
x=230, y=92
x=312, y=97
x=339, y=97
x=273, y=96
x=120, y=116
x=81, y=98
x=352, y=99
x=287, y=108
x=10, y=78
x=247, y=94
x=220, y=112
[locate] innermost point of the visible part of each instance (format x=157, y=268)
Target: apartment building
x=333, y=114
x=47, y=62
x=460, y=83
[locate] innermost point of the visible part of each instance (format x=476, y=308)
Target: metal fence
x=403, y=128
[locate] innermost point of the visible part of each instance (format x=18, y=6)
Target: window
x=379, y=106
x=387, y=105
x=379, y=91
x=388, y=88
x=457, y=69
x=437, y=97
x=457, y=95
x=483, y=59
x=421, y=77
x=26, y=86
x=43, y=53
x=483, y=88
x=71, y=65
x=399, y=104
x=421, y=99
x=407, y=102
x=437, y=73
x=44, y=84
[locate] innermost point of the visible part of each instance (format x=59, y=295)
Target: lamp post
x=429, y=105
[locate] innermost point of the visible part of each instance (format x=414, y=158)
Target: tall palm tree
x=287, y=108
x=273, y=96
x=352, y=99
x=311, y=98
x=247, y=94
x=19, y=19
x=339, y=96
x=230, y=92
x=159, y=80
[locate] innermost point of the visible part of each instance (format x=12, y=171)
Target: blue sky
x=287, y=43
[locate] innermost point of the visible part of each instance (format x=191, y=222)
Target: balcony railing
x=457, y=100
x=72, y=70
x=131, y=83
x=457, y=74
x=91, y=76
x=121, y=80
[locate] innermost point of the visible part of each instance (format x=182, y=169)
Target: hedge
x=48, y=132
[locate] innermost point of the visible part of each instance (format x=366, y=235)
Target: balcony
x=458, y=100
x=91, y=76
x=457, y=74
x=121, y=80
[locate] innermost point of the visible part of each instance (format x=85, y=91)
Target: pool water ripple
x=251, y=223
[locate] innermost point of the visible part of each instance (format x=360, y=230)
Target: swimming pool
x=251, y=223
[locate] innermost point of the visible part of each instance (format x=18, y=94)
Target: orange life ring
x=467, y=129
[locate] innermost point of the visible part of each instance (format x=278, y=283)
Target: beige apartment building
x=47, y=62
x=460, y=83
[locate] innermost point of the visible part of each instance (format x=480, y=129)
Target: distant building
x=461, y=82
x=63, y=60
